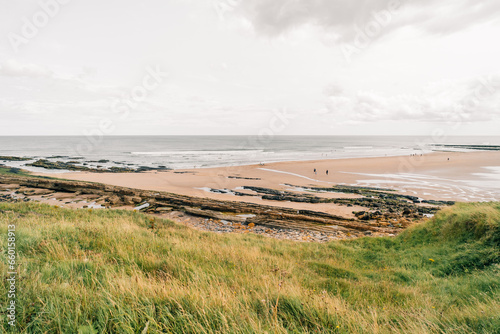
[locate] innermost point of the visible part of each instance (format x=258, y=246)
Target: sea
x=185, y=152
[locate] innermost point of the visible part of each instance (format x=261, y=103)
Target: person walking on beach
x=315, y=172
x=327, y=172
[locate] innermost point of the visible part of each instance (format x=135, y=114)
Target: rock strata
x=391, y=204
x=235, y=212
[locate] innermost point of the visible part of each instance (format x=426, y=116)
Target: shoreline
x=134, y=159
x=464, y=177
x=358, y=197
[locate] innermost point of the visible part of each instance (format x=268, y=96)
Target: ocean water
x=181, y=152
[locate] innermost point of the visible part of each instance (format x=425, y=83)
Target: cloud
x=47, y=84
x=343, y=18
x=470, y=101
x=15, y=68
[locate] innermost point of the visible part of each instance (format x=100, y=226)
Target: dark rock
x=15, y=170
x=243, y=178
x=73, y=166
x=473, y=147
x=9, y=158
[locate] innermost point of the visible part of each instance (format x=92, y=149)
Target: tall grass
x=107, y=271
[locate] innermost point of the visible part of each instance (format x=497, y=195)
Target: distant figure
x=327, y=172
x=315, y=172
x=448, y=159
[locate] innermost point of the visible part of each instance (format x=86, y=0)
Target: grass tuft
x=112, y=271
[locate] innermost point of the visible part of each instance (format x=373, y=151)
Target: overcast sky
x=330, y=67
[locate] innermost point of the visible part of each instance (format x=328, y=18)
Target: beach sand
x=471, y=176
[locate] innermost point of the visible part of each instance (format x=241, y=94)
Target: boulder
x=114, y=200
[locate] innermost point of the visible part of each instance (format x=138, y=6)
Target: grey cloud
x=451, y=16
x=343, y=17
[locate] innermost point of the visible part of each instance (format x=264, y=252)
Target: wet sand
x=472, y=176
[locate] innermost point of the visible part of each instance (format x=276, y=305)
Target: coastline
x=358, y=197
x=430, y=176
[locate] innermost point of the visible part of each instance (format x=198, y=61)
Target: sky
x=241, y=67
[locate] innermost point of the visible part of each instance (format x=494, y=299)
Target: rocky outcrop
x=375, y=198
x=9, y=158
x=472, y=147
x=75, y=166
x=70, y=165
x=228, y=210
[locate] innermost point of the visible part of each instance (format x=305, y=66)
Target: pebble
x=223, y=226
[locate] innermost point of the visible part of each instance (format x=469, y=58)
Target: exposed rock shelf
x=75, y=166
x=239, y=212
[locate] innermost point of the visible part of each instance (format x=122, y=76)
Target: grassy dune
x=106, y=271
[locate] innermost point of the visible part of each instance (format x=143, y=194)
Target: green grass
x=106, y=271
x=13, y=171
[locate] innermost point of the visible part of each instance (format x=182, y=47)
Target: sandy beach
x=472, y=176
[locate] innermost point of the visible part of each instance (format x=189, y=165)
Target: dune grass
x=110, y=271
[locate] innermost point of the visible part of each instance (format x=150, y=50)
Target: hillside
x=111, y=271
